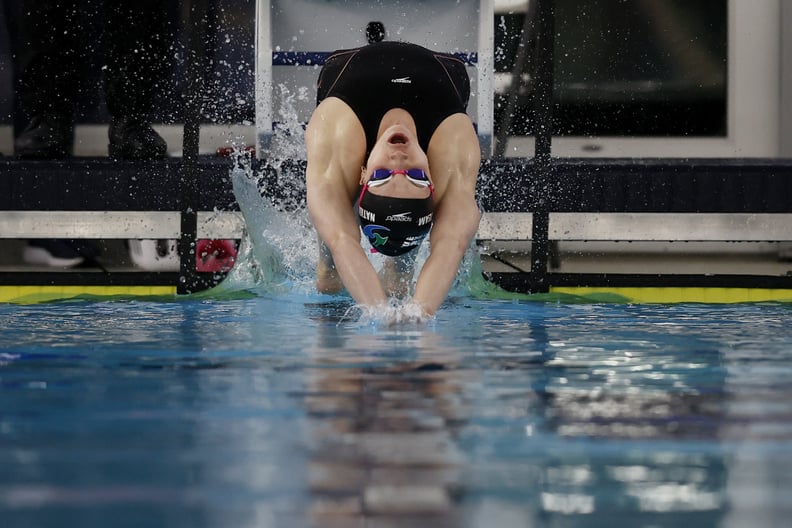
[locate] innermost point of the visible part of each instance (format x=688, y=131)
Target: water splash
x=279, y=247
x=396, y=313
x=288, y=140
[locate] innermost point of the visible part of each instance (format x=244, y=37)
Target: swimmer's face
x=397, y=149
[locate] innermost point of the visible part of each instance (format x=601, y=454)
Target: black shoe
x=45, y=139
x=132, y=139
x=57, y=253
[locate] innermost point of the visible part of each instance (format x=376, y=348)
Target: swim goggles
x=415, y=176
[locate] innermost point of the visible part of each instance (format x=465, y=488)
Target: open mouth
x=398, y=139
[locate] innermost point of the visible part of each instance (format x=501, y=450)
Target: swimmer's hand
x=396, y=313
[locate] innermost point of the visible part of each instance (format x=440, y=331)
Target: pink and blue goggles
x=415, y=176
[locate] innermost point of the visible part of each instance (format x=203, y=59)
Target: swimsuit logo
x=402, y=80
x=425, y=220
x=401, y=217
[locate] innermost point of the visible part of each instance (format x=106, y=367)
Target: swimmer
x=391, y=151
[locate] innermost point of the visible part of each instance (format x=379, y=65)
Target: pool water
x=286, y=410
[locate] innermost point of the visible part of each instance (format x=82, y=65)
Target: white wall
x=786, y=81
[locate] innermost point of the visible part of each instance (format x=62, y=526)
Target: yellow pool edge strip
x=638, y=295
x=42, y=294
x=672, y=295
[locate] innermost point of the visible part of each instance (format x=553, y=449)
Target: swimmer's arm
x=336, y=147
x=333, y=217
x=456, y=222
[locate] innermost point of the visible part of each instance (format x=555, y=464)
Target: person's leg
x=327, y=279
x=397, y=273
x=48, y=57
x=136, y=66
x=57, y=253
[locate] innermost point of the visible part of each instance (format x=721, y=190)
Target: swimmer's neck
x=394, y=117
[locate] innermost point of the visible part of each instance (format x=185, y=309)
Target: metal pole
x=543, y=130
x=189, y=173
x=543, y=75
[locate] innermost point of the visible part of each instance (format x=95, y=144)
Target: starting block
x=294, y=37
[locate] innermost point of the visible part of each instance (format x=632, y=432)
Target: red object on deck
x=215, y=255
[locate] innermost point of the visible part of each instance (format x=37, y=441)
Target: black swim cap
x=394, y=226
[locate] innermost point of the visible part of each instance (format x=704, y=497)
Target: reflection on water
x=284, y=411
x=385, y=409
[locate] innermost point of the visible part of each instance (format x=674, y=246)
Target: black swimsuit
x=379, y=77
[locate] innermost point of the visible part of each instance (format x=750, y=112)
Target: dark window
x=622, y=68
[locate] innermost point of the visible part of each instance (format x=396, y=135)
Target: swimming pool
x=284, y=410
